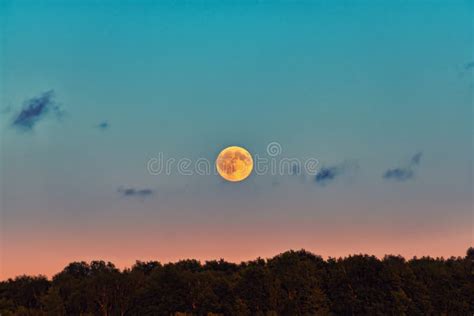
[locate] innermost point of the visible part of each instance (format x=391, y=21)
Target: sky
x=378, y=93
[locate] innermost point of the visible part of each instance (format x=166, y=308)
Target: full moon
x=234, y=163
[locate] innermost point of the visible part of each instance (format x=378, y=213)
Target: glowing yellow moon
x=234, y=163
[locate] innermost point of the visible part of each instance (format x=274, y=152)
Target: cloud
x=415, y=160
x=103, y=125
x=404, y=173
x=399, y=174
x=328, y=174
x=132, y=192
x=36, y=109
x=466, y=69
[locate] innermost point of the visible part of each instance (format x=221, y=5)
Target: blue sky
x=365, y=81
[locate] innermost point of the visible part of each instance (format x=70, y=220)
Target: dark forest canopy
x=292, y=283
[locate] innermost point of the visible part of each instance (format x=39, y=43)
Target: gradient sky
x=370, y=83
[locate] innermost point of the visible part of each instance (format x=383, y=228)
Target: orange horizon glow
x=50, y=257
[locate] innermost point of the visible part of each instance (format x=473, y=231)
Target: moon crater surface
x=234, y=163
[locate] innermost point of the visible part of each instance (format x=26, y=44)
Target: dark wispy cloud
x=466, y=69
x=469, y=66
x=103, y=125
x=399, y=174
x=404, y=173
x=133, y=192
x=36, y=109
x=415, y=160
x=328, y=174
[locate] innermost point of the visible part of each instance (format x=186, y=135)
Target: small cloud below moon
x=404, y=173
x=328, y=174
x=104, y=125
x=134, y=192
x=36, y=109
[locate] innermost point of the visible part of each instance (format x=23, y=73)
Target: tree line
x=291, y=283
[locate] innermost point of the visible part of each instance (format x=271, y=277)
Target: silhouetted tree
x=257, y=288
x=337, y=285
x=22, y=294
x=292, y=283
x=299, y=275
